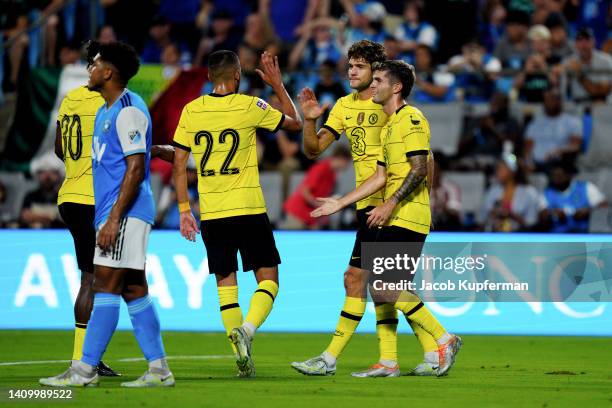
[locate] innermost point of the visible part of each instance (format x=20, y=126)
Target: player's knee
x=352, y=280
x=106, y=286
x=132, y=292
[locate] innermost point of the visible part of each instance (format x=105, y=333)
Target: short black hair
x=222, y=63
x=370, y=51
x=398, y=71
x=121, y=55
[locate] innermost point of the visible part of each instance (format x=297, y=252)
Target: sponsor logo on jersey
x=262, y=104
x=360, y=118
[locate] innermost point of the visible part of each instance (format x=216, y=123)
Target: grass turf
x=490, y=371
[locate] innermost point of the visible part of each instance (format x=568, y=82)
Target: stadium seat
x=294, y=181
x=17, y=186
x=271, y=184
x=599, y=150
x=445, y=121
x=601, y=220
x=472, y=188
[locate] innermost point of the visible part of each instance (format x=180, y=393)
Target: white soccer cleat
x=314, y=366
x=149, y=379
x=447, y=354
x=378, y=370
x=424, y=369
x=242, y=342
x=70, y=378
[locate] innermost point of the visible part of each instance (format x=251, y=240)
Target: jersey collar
x=216, y=95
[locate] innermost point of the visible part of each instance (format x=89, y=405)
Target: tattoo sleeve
x=415, y=177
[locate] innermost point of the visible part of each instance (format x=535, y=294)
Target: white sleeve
x=132, y=125
x=494, y=65
x=594, y=195
x=427, y=36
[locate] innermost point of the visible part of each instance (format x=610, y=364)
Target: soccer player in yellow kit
x=74, y=131
x=405, y=215
x=362, y=120
x=219, y=129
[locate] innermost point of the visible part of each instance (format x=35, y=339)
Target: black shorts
x=250, y=234
x=364, y=234
x=80, y=221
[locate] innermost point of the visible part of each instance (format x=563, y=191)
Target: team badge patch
x=263, y=105
x=106, y=125
x=373, y=118
x=134, y=136
x=360, y=118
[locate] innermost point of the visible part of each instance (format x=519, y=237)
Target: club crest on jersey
x=263, y=105
x=360, y=118
x=414, y=121
x=373, y=118
x=106, y=126
x=134, y=136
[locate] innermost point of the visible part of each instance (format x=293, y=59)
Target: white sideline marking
x=123, y=360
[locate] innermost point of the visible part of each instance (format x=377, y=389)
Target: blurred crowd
x=548, y=53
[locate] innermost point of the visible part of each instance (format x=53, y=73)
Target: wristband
x=184, y=207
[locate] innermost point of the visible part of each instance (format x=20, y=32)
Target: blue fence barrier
x=40, y=279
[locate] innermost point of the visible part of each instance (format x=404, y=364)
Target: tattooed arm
x=418, y=171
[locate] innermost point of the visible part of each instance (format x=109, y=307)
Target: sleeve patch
x=262, y=104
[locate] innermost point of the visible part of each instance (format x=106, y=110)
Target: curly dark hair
x=121, y=55
x=398, y=71
x=369, y=51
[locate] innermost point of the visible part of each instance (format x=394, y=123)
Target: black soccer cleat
x=106, y=371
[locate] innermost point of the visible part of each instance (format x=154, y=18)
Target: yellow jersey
x=220, y=132
x=361, y=121
x=406, y=134
x=76, y=117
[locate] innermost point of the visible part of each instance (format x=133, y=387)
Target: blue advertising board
x=40, y=279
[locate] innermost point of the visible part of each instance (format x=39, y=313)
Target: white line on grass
x=123, y=360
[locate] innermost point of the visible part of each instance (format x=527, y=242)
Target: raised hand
x=310, y=106
x=270, y=72
x=330, y=205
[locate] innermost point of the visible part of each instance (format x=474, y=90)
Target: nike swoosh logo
x=347, y=117
x=355, y=257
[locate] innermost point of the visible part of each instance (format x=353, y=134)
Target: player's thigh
x=257, y=245
x=79, y=218
x=363, y=235
x=108, y=279
x=221, y=242
x=130, y=247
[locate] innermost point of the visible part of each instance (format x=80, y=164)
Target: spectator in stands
x=280, y=151
x=392, y=47
x=365, y=22
x=559, y=44
x=318, y=182
x=513, y=48
x=182, y=17
x=39, y=208
x=543, y=9
x=70, y=53
x=431, y=85
x=552, y=134
x=316, y=45
x=224, y=35
x=444, y=198
x=510, y=204
x=586, y=85
x=492, y=25
x=328, y=88
x=13, y=23
x=250, y=81
x=534, y=79
x=159, y=38
x=106, y=34
x=483, y=138
x=413, y=31
x=168, y=216
x=567, y=203
x=259, y=34
x=476, y=72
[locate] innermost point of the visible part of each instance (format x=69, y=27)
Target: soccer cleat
x=106, y=371
x=378, y=370
x=242, y=342
x=424, y=369
x=314, y=366
x=70, y=378
x=150, y=379
x=448, y=352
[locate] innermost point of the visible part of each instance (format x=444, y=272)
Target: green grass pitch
x=491, y=371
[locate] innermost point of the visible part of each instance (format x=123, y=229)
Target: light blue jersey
x=121, y=130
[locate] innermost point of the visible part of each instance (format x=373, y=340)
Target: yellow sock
x=427, y=341
x=261, y=304
x=79, y=338
x=231, y=314
x=415, y=311
x=386, y=330
x=351, y=315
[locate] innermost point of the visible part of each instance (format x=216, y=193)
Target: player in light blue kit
x=124, y=214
